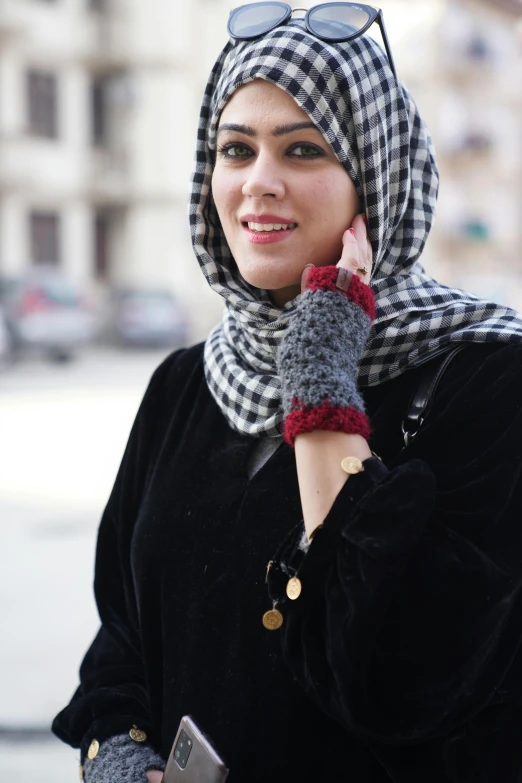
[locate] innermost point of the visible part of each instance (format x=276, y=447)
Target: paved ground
x=45, y=761
x=63, y=430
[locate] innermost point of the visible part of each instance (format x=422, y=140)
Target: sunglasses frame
x=375, y=15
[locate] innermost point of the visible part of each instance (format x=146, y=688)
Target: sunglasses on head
x=332, y=22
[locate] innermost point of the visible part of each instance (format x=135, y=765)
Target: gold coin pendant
x=352, y=465
x=293, y=588
x=137, y=734
x=272, y=620
x=93, y=749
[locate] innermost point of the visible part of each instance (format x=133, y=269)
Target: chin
x=268, y=279
x=269, y=282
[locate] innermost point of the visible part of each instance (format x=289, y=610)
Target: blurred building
x=96, y=142
x=478, y=131
x=98, y=117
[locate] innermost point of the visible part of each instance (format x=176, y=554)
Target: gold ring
x=363, y=269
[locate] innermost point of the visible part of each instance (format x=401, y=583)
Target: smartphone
x=193, y=758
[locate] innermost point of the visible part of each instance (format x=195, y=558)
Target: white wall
x=13, y=235
x=77, y=240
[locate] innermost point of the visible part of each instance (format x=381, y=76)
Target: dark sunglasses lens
x=337, y=20
x=256, y=19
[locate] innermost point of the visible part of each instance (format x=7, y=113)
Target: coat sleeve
x=112, y=694
x=408, y=620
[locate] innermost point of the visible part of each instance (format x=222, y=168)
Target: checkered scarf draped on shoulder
x=375, y=130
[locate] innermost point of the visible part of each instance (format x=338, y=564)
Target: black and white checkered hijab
x=375, y=130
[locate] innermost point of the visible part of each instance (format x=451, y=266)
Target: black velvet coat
x=401, y=659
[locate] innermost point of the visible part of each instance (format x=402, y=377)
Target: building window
x=42, y=103
x=45, y=237
x=99, y=112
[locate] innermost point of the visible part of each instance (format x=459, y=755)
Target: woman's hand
x=154, y=776
x=320, y=351
x=357, y=252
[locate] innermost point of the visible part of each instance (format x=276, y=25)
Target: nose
x=264, y=179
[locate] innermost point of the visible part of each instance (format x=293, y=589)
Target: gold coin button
x=272, y=620
x=93, y=749
x=352, y=465
x=293, y=588
x=137, y=734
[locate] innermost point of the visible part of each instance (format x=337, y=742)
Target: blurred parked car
x=46, y=313
x=6, y=347
x=142, y=318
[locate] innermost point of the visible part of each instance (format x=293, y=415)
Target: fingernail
x=365, y=219
x=308, y=266
x=352, y=232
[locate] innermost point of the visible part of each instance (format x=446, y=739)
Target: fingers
x=357, y=253
x=357, y=250
x=304, y=276
x=350, y=255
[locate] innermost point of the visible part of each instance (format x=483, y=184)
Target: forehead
x=261, y=101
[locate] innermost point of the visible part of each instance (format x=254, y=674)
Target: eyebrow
x=279, y=130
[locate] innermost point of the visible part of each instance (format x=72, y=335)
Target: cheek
x=225, y=194
x=333, y=201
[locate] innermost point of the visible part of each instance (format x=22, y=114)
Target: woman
x=394, y=584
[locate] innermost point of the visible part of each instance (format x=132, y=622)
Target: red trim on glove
x=324, y=278
x=324, y=417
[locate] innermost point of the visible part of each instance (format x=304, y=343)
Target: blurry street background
x=62, y=429
x=98, y=115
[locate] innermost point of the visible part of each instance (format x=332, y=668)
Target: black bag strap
x=422, y=398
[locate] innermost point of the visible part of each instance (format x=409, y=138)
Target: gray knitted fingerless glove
x=319, y=356
x=122, y=760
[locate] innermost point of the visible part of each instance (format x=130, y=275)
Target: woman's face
x=274, y=167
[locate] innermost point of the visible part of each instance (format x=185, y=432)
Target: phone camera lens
x=182, y=749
